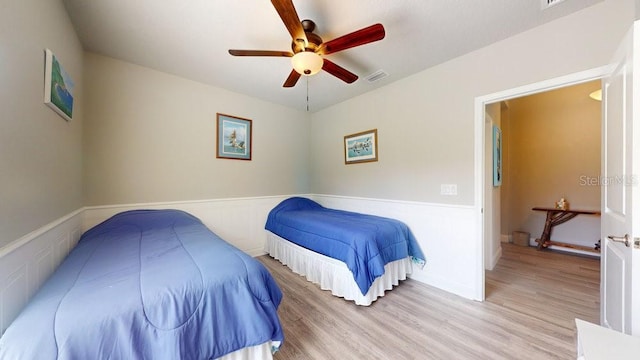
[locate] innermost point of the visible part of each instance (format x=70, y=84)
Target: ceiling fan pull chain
x=307, y=93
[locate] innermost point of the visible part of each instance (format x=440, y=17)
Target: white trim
x=16, y=244
x=403, y=202
x=184, y=202
x=546, y=85
x=479, y=156
x=573, y=251
x=494, y=259
x=239, y=221
x=478, y=175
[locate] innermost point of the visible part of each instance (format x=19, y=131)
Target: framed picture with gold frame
x=361, y=147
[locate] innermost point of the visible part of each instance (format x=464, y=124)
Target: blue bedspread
x=148, y=284
x=364, y=242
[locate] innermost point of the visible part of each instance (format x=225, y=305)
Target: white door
x=620, y=294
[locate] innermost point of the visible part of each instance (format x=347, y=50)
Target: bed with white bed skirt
x=356, y=256
x=333, y=275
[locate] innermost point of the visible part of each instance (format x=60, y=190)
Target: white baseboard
x=532, y=242
x=495, y=257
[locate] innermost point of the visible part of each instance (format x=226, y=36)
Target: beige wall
x=151, y=137
x=40, y=153
x=554, y=146
x=426, y=122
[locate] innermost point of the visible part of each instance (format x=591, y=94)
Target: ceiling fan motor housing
x=314, y=41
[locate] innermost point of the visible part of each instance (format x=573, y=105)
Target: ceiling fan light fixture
x=307, y=63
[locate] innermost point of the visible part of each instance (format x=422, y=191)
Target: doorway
x=550, y=142
x=551, y=154
x=483, y=189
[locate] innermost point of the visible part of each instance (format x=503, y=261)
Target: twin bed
x=158, y=284
x=355, y=256
x=150, y=284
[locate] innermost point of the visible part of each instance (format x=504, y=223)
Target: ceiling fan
x=308, y=48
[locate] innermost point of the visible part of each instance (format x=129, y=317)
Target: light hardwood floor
x=521, y=319
x=551, y=286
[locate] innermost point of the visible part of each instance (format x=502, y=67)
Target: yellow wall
x=553, y=149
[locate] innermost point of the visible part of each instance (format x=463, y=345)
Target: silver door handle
x=624, y=239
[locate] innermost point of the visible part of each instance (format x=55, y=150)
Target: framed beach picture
x=361, y=147
x=497, y=156
x=58, y=86
x=234, y=138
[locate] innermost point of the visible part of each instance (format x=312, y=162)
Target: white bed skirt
x=332, y=274
x=258, y=352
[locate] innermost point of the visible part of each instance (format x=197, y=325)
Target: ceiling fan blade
x=292, y=79
x=360, y=37
x=290, y=18
x=260, y=53
x=339, y=72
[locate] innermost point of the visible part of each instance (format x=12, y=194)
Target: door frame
x=481, y=158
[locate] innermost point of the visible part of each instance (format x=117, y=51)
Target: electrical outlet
x=448, y=189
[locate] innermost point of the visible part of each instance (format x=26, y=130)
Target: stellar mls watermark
x=624, y=180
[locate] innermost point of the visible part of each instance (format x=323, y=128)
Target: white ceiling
x=190, y=38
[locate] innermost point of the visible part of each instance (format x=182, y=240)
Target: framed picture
x=361, y=147
x=497, y=156
x=234, y=138
x=58, y=86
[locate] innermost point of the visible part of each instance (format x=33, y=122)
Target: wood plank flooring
x=552, y=286
x=417, y=321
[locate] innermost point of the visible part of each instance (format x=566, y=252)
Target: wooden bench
x=556, y=217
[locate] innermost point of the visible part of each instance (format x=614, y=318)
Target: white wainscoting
x=239, y=221
x=27, y=262
x=446, y=234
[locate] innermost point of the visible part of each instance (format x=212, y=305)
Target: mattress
x=149, y=284
x=365, y=243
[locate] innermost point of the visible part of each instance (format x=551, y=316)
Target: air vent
x=378, y=75
x=549, y=3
